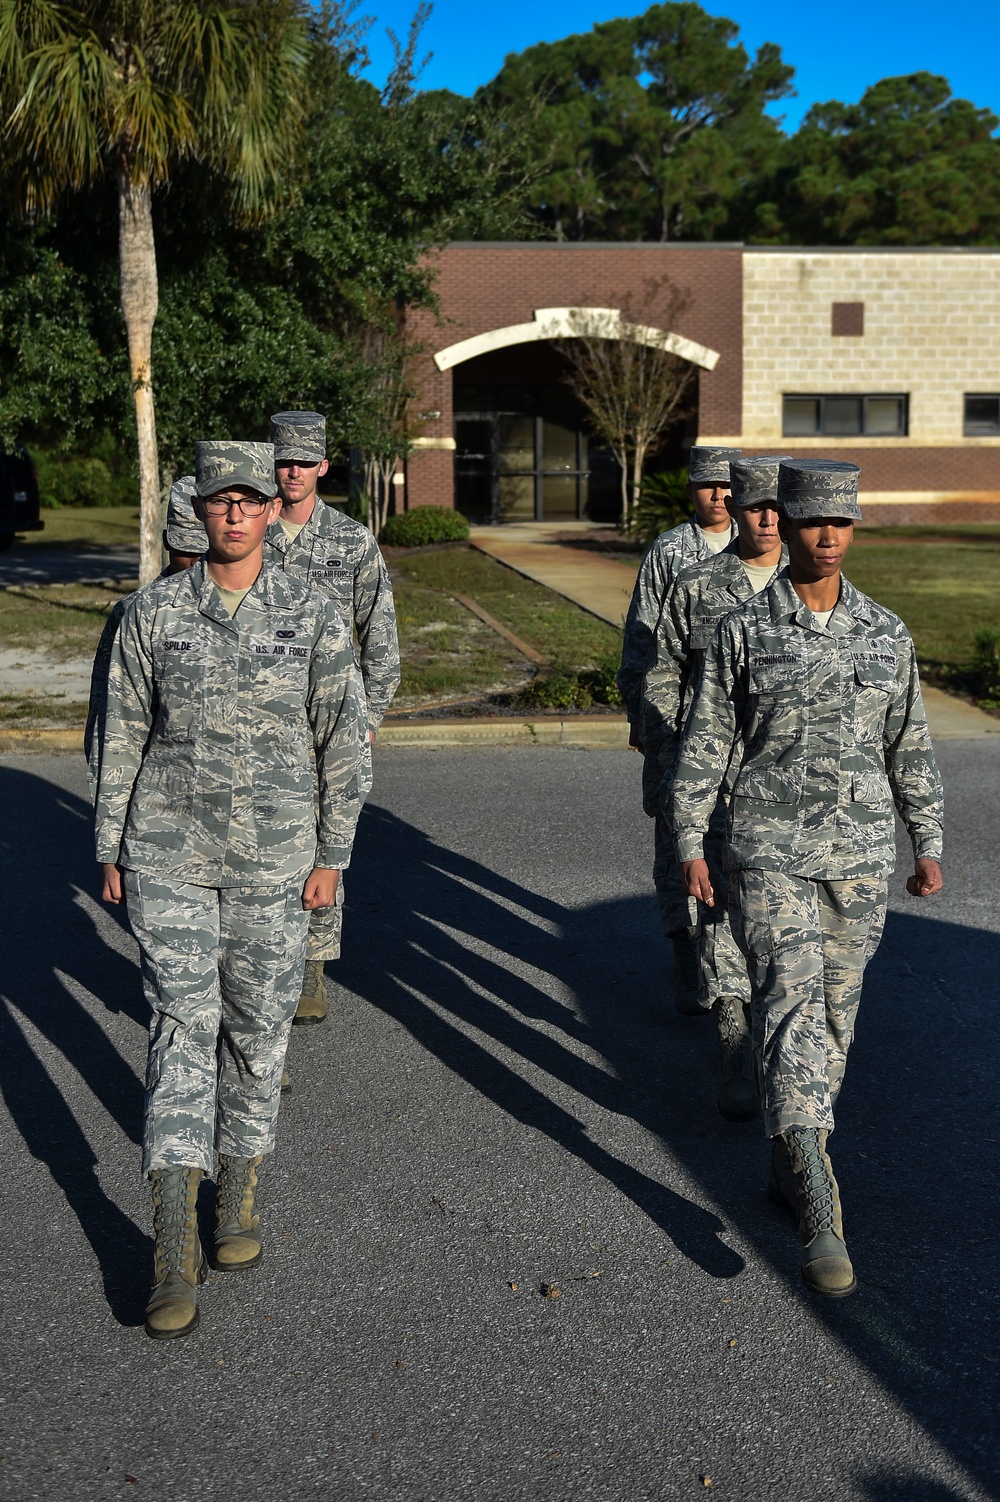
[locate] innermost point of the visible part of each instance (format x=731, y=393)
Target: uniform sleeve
x=375, y=623
x=338, y=719
x=97, y=711
x=119, y=741
x=910, y=762
x=640, y=629
x=707, y=743
x=663, y=687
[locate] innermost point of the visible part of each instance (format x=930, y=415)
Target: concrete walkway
x=599, y=585
x=538, y=551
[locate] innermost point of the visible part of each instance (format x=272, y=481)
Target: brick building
x=889, y=358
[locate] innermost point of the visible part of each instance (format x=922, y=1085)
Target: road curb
x=594, y=731
x=42, y=740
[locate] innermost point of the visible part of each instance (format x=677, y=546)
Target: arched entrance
x=523, y=448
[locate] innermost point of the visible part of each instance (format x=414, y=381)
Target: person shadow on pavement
x=53, y=954
x=472, y=950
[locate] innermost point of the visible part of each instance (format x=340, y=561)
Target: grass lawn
x=945, y=583
x=558, y=629
x=65, y=620
x=81, y=527
x=945, y=590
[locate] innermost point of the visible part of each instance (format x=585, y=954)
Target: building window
x=847, y=319
x=982, y=416
x=845, y=416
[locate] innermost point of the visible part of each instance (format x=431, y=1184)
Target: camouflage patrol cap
x=185, y=533
x=218, y=464
x=809, y=488
x=755, y=479
x=709, y=465
x=298, y=437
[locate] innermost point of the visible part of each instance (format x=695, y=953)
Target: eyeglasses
x=221, y=505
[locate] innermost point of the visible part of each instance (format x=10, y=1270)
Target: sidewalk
x=598, y=585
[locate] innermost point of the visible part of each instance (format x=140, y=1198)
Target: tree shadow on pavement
x=448, y=952
x=52, y=947
x=919, y=1185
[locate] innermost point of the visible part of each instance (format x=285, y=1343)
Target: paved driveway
x=40, y=565
x=503, y=1101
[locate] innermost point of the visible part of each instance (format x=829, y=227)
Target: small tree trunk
x=623, y=476
x=371, y=492
x=638, y=458
x=139, y=299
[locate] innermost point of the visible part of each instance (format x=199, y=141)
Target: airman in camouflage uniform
x=810, y=690
x=185, y=540
x=227, y=782
x=703, y=593
x=709, y=530
x=339, y=556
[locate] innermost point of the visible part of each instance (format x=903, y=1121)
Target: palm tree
x=131, y=88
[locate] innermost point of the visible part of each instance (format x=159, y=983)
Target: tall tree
x=907, y=165
x=651, y=123
x=130, y=89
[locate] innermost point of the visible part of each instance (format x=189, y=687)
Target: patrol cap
x=298, y=437
x=709, y=465
x=818, y=487
x=219, y=464
x=755, y=480
x=185, y=533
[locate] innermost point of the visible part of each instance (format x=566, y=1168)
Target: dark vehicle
x=19, y=502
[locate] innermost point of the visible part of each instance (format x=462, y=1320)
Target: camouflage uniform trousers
x=722, y=967
x=221, y=970
x=325, y=928
x=807, y=944
x=677, y=910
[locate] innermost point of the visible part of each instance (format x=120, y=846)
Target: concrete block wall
x=931, y=332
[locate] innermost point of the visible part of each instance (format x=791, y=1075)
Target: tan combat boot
x=737, y=1095
x=178, y=1260
x=312, y=1003
x=824, y=1263
x=237, y=1239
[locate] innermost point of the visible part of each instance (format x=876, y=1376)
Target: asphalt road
x=40, y=565
x=504, y=1100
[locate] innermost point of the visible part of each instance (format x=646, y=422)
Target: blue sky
x=837, y=49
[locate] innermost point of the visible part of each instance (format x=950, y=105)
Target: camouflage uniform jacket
x=341, y=557
x=702, y=594
x=833, y=733
x=232, y=752
x=665, y=557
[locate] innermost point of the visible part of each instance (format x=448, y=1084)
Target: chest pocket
x=874, y=683
x=280, y=676
x=702, y=631
x=179, y=668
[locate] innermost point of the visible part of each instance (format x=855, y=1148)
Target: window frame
x=864, y=397
x=989, y=396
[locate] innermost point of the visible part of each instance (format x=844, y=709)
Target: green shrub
x=99, y=478
x=986, y=663
x=423, y=525
x=561, y=687
x=663, y=503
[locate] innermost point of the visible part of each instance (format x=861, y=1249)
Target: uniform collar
x=276, y=536
x=728, y=565
x=786, y=606
x=269, y=591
